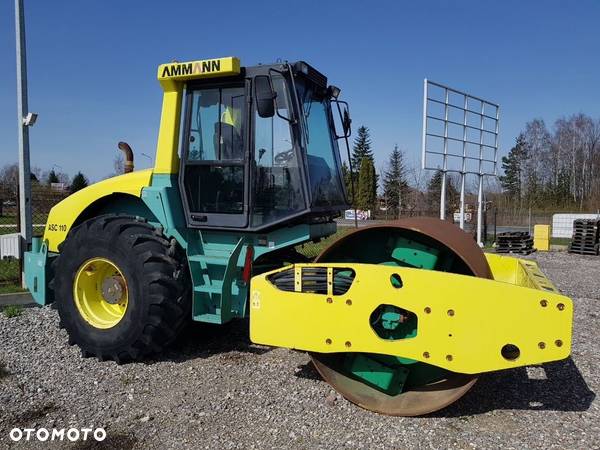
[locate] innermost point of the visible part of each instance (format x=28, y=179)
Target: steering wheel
x=283, y=157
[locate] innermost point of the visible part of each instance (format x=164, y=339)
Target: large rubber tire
x=158, y=283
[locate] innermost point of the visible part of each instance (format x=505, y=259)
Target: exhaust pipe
x=126, y=149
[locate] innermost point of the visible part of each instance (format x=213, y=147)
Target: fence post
x=485, y=226
x=495, y=223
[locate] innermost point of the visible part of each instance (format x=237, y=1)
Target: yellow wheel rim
x=100, y=293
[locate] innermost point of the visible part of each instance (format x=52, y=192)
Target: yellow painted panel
x=207, y=68
x=167, y=156
x=523, y=272
x=504, y=268
x=485, y=316
x=63, y=214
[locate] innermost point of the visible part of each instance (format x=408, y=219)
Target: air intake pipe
x=126, y=149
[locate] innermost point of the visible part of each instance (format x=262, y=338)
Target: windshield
x=322, y=151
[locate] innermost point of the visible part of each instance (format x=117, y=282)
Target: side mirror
x=265, y=96
x=342, y=122
x=347, y=122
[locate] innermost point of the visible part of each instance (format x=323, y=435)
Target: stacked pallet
x=586, y=237
x=515, y=242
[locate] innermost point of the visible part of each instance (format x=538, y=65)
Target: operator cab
x=261, y=148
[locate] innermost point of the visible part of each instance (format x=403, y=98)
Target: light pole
x=148, y=156
x=25, y=119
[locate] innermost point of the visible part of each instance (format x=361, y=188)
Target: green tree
x=361, y=148
x=52, y=177
x=514, y=165
x=562, y=189
x=395, y=186
x=366, y=196
x=434, y=192
x=348, y=182
x=78, y=183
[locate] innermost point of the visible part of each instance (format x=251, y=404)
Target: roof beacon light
x=334, y=91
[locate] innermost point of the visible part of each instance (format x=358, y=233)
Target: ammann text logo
x=177, y=70
x=57, y=434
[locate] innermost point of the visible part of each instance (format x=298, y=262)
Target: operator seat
x=228, y=142
x=227, y=136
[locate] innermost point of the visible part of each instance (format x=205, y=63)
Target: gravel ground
x=217, y=390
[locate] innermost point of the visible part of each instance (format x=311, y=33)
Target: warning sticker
x=255, y=300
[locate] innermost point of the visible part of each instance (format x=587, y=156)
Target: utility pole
x=24, y=120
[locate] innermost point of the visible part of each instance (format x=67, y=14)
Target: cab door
x=214, y=176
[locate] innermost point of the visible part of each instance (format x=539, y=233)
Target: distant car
x=9, y=203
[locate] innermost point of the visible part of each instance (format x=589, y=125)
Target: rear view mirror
x=342, y=120
x=347, y=122
x=265, y=96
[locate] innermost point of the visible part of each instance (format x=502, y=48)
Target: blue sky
x=92, y=64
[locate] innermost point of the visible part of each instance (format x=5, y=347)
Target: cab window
x=277, y=183
x=214, y=170
x=322, y=152
x=216, y=129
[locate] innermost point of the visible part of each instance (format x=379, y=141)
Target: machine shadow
x=202, y=340
x=308, y=372
x=562, y=389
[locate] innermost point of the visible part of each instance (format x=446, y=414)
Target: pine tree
x=366, y=196
x=347, y=182
x=514, y=166
x=78, y=183
x=52, y=177
x=434, y=189
x=361, y=148
x=395, y=186
x=434, y=192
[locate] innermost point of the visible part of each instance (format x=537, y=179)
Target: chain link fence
x=9, y=227
x=495, y=220
x=43, y=197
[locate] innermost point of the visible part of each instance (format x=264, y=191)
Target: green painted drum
x=389, y=384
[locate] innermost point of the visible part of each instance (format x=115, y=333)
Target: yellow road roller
x=399, y=318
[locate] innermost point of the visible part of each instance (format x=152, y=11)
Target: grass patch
x=312, y=249
x=12, y=220
x=6, y=230
x=8, y=224
x=560, y=241
x=8, y=220
x=37, y=230
x=11, y=288
x=9, y=270
x=12, y=311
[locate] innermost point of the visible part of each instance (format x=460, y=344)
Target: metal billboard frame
x=482, y=160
